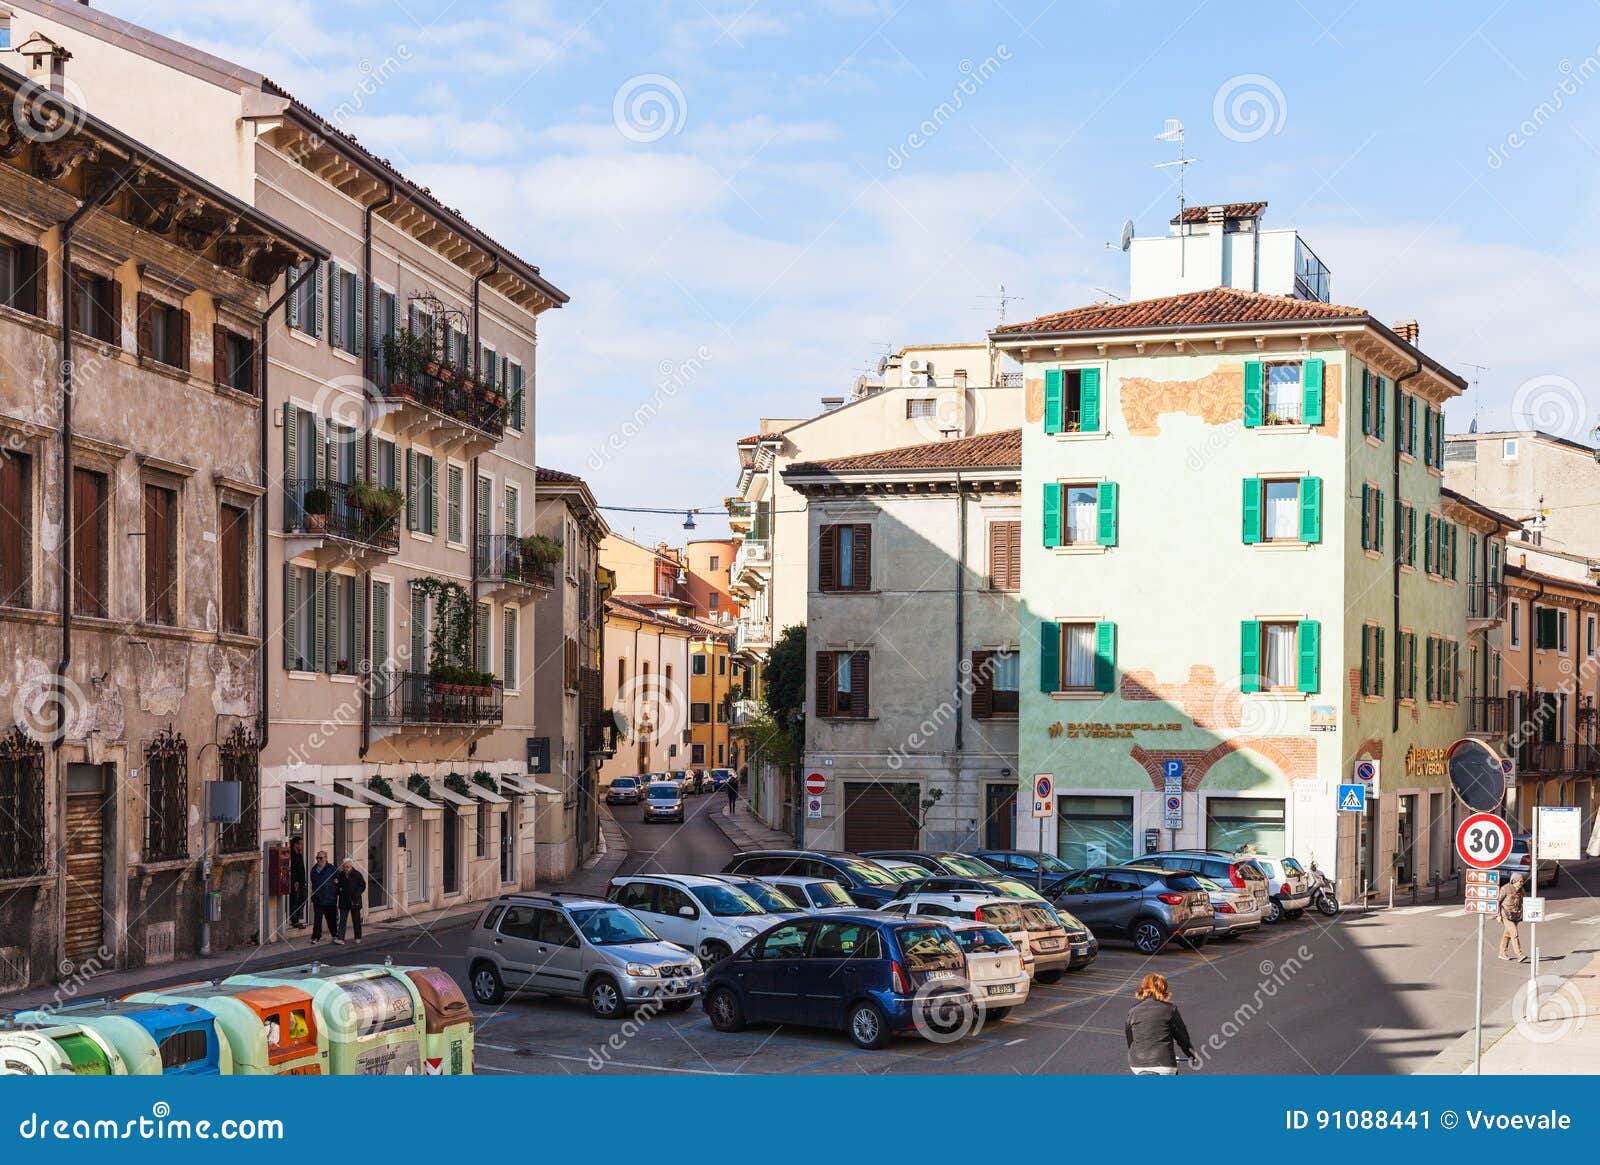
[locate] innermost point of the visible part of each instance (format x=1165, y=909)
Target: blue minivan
x=872, y=975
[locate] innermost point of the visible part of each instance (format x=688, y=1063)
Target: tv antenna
x=1172, y=131
x=1477, y=397
x=1002, y=299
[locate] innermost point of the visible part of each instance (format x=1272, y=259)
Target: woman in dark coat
x=1153, y=1028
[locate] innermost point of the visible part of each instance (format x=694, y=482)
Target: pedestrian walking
x=732, y=789
x=324, y=897
x=1154, y=1026
x=1509, y=912
x=352, y=890
x=297, y=882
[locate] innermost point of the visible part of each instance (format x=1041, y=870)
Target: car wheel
x=996, y=1014
x=1053, y=975
x=867, y=1027
x=1274, y=914
x=712, y=951
x=1198, y=942
x=486, y=984
x=725, y=1010
x=605, y=997
x=1149, y=936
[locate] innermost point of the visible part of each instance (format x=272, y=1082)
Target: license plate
x=1002, y=989
x=941, y=974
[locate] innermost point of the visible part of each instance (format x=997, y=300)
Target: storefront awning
x=417, y=800
x=516, y=784
x=484, y=794
x=326, y=798
x=450, y=795
x=367, y=793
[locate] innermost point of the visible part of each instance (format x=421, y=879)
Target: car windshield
x=1005, y=916
x=1184, y=881
x=970, y=866
x=663, y=793
x=982, y=940
x=930, y=948
x=1069, y=920
x=726, y=902
x=1016, y=888
x=1039, y=918
x=869, y=872
x=1054, y=864
x=904, y=873
x=624, y=782
x=1208, y=885
x=828, y=894
x=770, y=900
x=609, y=926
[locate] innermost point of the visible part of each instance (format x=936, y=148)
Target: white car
x=994, y=966
x=812, y=894
x=701, y=914
x=771, y=899
x=998, y=911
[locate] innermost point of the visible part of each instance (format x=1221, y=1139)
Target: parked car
x=580, y=946
x=702, y=914
x=767, y=896
x=720, y=777
x=1288, y=885
x=1045, y=921
x=812, y=894
x=868, y=884
x=1233, y=912
x=995, y=969
x=860, y=971
x=1518, y=863
x=1033, y=866
x=903, y=871
x=949, y=883
x=1219, y=866
x=663, y=801
x=1006, y=915
x=1145, y=905
x=623, y=791
x=938, y=862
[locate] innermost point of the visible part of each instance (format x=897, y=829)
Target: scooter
x=1323, y=896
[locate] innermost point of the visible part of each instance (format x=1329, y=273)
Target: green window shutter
x=291, y=305
x=1382, y=400
x=520, y=397
x=431, y=489
x=1379, y=651
x=1089, y=400
x=1252, y=510
x=1411, y=424
x=1427, y=543
x=319, y=621
x=1438, y=441
x=1105, y=656
x=1249, y=656
x=1378, y=520
x=335, y=305
x=380, y=626
x=411, y=489
x=1428, y=685
x=508, y=646
x=1411, y=666
x=291, y=613
x=1106, y=526
x=1366, y=401
x=1054, y=395
x=1052, y=513
x=1311, y=387
x=1311, y=509
x=1368, y=526
x=1310, y=637
x=1254, y=395
x=291, y=453
x=1427, y=437
x=419, y=631
x=358, y=626
x=1366, y=660
x=1049, y=656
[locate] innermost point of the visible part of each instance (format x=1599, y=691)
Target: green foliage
x=786, y=675
x=486, y=779
x=451, y=649
x=457, y=784
x=760, y=733
x=542, y=549
x=418, y=784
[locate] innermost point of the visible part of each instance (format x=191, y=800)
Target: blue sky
x=730, y=193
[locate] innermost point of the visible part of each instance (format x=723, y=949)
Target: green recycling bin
x=64, y=1049
x=447, y=1023
x=368, y=1018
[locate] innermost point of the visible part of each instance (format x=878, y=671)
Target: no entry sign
x=1483, y=841
x=815, y=784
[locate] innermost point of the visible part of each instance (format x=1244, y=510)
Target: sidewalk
x=1564, y=1041
x=746, y=831
x=592, y=876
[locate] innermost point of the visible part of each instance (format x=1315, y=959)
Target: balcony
x=1544, y=756
x=745, y=711
x=752, y=634
x=340, y=522
x=416, y=700
x=751, y=564
x=431, y=399
x=1586, y=758
x=1486, y=715
x=510, y=569
x=1486, y=602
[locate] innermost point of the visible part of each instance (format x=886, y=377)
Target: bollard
x=1391, y=891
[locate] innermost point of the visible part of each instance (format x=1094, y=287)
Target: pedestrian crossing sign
x=1353, y=798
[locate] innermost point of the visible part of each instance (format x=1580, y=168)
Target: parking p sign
x=1044, y=795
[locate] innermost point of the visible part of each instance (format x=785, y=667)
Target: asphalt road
x=697, y=846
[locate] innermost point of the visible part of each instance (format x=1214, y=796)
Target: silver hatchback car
x=579, y=946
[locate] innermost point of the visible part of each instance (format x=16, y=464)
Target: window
x=518, y=415
x=90, y=542
x=235, y=365
x=163, y=332
x=339, y=634
x=166, y=771
x=23, y=852
x=716, y=600
x=722, y=712
x=716, y=562
x=454, y=485
x=1072, y=400
x=1561, y=632
x=422, y=499
x=346, y=310
x=1080, y=514
x=22, y=277
x=842, y=678
x=160, y=555
x=697, y=754
x=1077, y=657
x=509, y=673
x=378, y=622
x=1589, y=643
x=1094, y=831
x=700, y=712
x=920, y=407
x=1372, y=518
x=996, y=676
x=697, y=665
x=483, y=834
x=722, y=665
x=301, y=608
x=1372, y=660
x=181, y=1049
x=622, y=671
x=1284, y=399
x=1374, y=403
x=1234, y=822
x=667, y=684
x=303, y=308
x=1406, y=666
x=16, y=529
x=1282, y=510
x=483, y=617
x=96, y=306
x=1005, y=556
x=1546, y=631
x=1508, y=449
x=233, y=553
x=846, y=940
x=1515, y=621
x=784, y=942
x=844, y=558
x=1280, y=655
x=1083, y=512
x=1407, y=535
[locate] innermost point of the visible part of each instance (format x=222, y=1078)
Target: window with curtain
x=1283, y=511
x=1278, y=655
x=1077, y=642
x=1284, y=397
x=1004, y=682
x=1083, y=511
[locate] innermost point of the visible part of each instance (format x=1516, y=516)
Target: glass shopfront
x=1235, y=822
x=1095, y=831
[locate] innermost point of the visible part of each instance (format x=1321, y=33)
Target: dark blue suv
x=868, y=973
x=868, y=884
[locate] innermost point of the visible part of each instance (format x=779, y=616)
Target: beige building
x=132, y=294
x=401, y=470
x=1549, y=484
x=645, y=684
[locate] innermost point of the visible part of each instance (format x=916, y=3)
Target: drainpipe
x=368, y=368
x=961, y=612
x=1399, y=402
x=263, y=722
x=69, y=575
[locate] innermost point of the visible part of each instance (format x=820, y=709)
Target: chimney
x=1408, y=330
x=961, y=379
x=829, y=403
x=1216, y=213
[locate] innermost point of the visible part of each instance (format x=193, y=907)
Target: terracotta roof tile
x=987, y=451
x=544, y=473
x=1215, y=305
x=757, y=438
x=1230, y=210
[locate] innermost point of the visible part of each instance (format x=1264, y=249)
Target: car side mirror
x=686, y=911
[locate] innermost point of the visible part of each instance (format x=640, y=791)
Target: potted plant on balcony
x=540, y=553
x=315, y=503
x=405, y=354
x=379, y=505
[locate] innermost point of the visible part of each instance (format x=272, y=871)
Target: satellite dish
x=1478, y=774
x=1127, y=233
x=883, y=364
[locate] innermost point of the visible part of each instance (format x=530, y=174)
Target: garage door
x=880, y=816
x=85, y=875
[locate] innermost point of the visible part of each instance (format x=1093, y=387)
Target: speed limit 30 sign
x=1483, y=841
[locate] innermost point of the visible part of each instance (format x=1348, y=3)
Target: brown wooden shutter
x=255, y=368
x=999, y=561
x=862, y=558
x=219, y=354
x=858, y=683
x=144, y=303
x=232, y=554
x=13, y=527
x=32, y=268
x=160, y=575
x=824, y=683
x=88, y=541
x=70, y=295
x=1014, y=558
x=183, y=341
x=116, y=312
x=983, y=683
x=828, y=558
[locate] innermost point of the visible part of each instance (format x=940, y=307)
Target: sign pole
x=1477, y=1010
x=1531, y=1012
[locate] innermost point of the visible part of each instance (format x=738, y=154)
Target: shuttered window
x=302, y=617
x=1284, y=510
x=233, y=552
x=454, y=485
x=346, y=308
x=1373, y=660
x=1077, y=657
x=1072, y=400
x=519, y=404
x=378, y=619
x=995, y=681
x=90, y=528
x=1081, y=514
x=842, y=684
x=95, y=306
x=508, y=651
x=163, y=332
x=16, y=529
x=303, y=309
x=235, y=361
x=844, y=557
x=1277, y=655
x=23, y=277
x=1005, y=556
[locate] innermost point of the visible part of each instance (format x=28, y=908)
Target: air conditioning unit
x=919, y=379
x=918, y=366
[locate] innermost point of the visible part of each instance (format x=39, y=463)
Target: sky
x=750, y=202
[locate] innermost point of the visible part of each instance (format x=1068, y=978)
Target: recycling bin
x=64, y=1049
x=368, y=1019
x=271, y=1031
x=153, y=1039
x=447, y=1022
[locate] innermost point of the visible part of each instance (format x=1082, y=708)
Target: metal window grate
x=166, y=760
x=241, y=761
x=22, y=838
